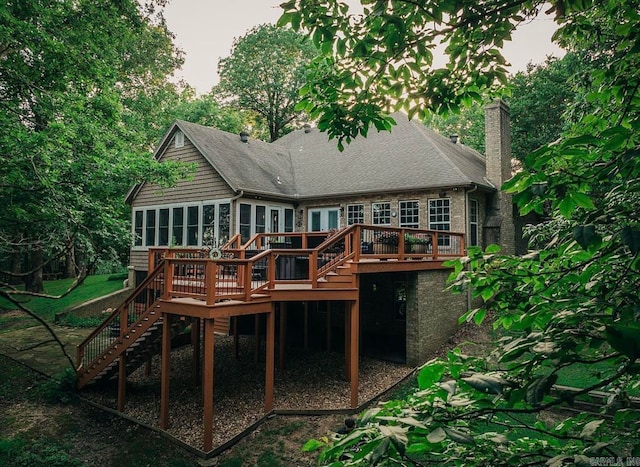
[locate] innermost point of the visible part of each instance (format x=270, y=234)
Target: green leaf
x=459, y=436
x=582, y=200
x=487, y=384
x=539, y=388
x=624, y=339
x=437, y=436
x=430, y=374
x=631, y=238
x=566, y=207
x=585, y=235
x=590, y=428
x=312, y=445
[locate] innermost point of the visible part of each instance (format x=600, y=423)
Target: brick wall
x=432, y=314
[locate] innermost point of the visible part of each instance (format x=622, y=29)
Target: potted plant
x=417, y=243
x=386, y=243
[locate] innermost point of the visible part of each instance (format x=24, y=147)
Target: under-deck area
x=279, y=297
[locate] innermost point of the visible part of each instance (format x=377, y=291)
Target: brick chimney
x=499, y=224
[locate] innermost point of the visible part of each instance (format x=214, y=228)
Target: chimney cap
x=244, y=136
x=454, y=138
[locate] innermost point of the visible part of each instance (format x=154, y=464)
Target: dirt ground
x=99, y=438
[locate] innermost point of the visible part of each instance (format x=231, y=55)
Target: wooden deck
x=250, y=279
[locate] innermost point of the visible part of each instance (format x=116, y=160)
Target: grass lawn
x=47, y=308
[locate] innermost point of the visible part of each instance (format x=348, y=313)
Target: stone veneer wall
x=432, y=314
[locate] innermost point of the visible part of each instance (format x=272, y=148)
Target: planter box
x=385, y=249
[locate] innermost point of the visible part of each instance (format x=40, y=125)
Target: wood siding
x=206, y=184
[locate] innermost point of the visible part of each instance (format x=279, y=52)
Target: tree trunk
x=70, y=267
x=33, y=282
x=16, y=267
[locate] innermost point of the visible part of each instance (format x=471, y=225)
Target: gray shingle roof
x=411, y=156
x=306, y=164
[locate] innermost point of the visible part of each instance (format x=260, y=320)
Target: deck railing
x=294, y=257
x=122, y=319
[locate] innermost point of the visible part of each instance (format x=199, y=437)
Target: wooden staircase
x=131, y=331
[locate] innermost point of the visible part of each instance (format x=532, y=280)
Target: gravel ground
x=309, y=381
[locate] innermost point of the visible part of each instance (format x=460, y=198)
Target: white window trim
x=400, y=223
x=361, y=209
x=269, y=206
x=324, y=213
x=157, y=207
x=178, y=139
x=373, y=217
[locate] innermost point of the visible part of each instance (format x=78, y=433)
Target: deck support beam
x=165, y=371
x=354, y=331
x=282, y=346
x=306, y=326
x=270, y=357
x=122, y=381
x=207, y=388
x=256, y=339
x=196, y=343
x=236, y=341
x=329, y=336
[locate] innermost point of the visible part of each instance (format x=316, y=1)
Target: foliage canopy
x=263, y=73
x=574, y=300
x=78, y=82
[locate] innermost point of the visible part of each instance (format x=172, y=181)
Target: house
x=410, y=177
x=324, y=279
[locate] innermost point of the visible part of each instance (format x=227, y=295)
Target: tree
x=540, y=99
x=208, y=111
x=263, y=74
x=468, y=124
x=572, y=303
x=74, y=81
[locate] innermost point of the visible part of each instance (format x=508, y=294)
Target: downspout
x=466, y=215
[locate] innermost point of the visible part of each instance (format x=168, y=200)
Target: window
x=137, y=228
x=163, y=227
x=192, y=225
x=323, y=219
x=260, y=219
x=224, y=223
x=381, y=213
x=245, y=222
x=440, y=218
x=208, y=233
x=409, y=214
x=177, y=234
x=179, y=139
x=473, y=222
x=288, y=220
x=151, y=227
x=315, y=221
x=355, y=214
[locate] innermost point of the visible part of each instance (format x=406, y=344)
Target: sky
x=205, y=30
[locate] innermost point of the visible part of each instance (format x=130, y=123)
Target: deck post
x=165, y=371
x=270, y=357
x=122, y=381
x=207, y=389
x=347, y=343
x=329, y=337
x=282, y=346
x=234, y=330
x=195, y=342
x=354, y=313
x=306, y=326
x=256, y=339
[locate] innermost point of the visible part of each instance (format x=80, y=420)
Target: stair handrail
x=116, y=313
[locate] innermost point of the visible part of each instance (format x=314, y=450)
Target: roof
x=409, y=157
x=306, y=164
